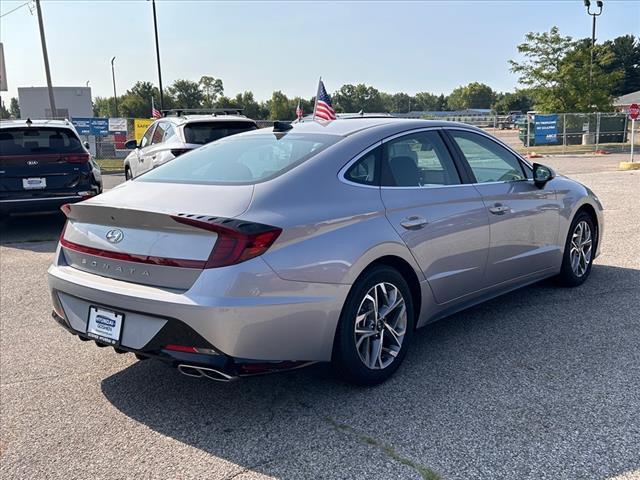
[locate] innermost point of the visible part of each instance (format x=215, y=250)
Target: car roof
x=183, y=119
x=36, y=123
x=350, y=125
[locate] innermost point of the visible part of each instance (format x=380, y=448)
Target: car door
x=440, y=218
x=137, y=163
x=149, y=154
x=524, y=218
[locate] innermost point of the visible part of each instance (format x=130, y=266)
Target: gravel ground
x=542, y=383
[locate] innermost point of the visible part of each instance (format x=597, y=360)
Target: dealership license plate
x=104, y=325
x=34, y=183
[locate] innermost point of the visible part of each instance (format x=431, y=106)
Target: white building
x=70, y=102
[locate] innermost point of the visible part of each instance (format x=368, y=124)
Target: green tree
x=426, y=102
x=4, y=113
x=280, y=108
x=211, y=89
x=353, y=98
x=399, y=103
x=14, y=107
x=510, y=101
x=626, y=61
x=473, y=95
x=556, y=70
x=186, y=94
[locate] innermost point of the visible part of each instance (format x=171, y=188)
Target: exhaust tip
x=210, y=373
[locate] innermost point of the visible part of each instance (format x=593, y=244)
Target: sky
x=265, y=46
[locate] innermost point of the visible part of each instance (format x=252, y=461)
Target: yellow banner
x=140, y=126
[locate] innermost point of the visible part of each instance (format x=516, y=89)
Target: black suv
x=43, y=165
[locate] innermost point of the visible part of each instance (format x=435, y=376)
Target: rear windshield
x=36, y=140
x=207, y=132
x=244, y=159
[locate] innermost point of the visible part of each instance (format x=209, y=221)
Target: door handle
x=414, y=223
x=499, y=209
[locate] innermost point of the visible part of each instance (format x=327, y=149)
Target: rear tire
x=127, y=174
x=375, y=327
x=579, y=250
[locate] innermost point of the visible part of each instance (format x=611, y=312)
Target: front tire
x=579, y=250
x=375, y=328
x=127, y=174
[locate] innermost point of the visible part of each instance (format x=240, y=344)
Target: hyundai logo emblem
x=115, y=236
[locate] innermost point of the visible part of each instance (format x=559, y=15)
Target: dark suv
x=43, y=165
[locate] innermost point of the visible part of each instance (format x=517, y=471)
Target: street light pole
x=587, y=4
x=113, y=76
x=52, y=100
x=155, y=27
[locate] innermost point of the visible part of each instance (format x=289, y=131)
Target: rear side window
x=38, y=141
x=207, y=132
x=366, y=169
x=418, y=160
x=245, y=159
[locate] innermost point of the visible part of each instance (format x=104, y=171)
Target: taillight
x=66, y=209
x=237, y=241
x=176, y=152
x=77, y=158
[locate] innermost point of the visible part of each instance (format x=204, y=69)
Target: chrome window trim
x=347, y=166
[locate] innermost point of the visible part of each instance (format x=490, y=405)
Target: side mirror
x=130, y=144
x=86, y=145
x=542, y=174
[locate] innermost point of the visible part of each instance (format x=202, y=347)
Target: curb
x=629, y=166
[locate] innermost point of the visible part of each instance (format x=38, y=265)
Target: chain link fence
x=547, y=134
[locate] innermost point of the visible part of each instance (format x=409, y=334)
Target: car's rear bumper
x=243, y=312
x=37, y=204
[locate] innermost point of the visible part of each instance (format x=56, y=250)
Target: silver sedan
x=315, y=242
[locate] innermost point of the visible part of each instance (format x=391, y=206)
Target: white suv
x=179, y=132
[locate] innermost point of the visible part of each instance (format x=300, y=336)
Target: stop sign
x=634, y=111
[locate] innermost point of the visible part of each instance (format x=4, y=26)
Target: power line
x=18, y=7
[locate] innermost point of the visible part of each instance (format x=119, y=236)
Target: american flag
x=155, y=113
x=323, y=109
x=299, y=111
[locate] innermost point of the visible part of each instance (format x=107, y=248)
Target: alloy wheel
x=380, y=326
x=581, y=248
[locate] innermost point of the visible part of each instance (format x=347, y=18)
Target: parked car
x=313, y=243
x=43, y=165
x=173, y=135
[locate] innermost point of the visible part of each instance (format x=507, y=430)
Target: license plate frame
x=105, y=325
x=34, y=183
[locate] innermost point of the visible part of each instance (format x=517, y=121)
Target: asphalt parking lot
x=543, y=383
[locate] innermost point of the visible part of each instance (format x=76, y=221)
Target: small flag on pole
x=299, y=111
x=323, y=108
x=155, y=113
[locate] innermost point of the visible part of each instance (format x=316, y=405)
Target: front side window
x=489, y=161
x=418, y=160
x=158, y=134
x=242, y=159
x=146, y=138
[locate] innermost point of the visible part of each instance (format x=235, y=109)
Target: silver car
x=178, y=133
x=275, y=248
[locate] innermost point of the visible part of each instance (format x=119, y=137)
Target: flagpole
x=315, y=104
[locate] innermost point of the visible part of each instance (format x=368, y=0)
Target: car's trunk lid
x=129, y=233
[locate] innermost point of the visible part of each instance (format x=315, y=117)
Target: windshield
x=245, y=159
x=35, y=140
x=207, y=132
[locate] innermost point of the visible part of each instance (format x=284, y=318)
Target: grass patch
x=110, y=164
x=425, y=472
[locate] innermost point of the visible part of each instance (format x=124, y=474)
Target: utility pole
x=587, y=4
x=113, y=75
x=155, y=27
x=52, y=101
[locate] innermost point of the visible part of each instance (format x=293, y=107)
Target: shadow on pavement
x=541, y=382
x=23, y=230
